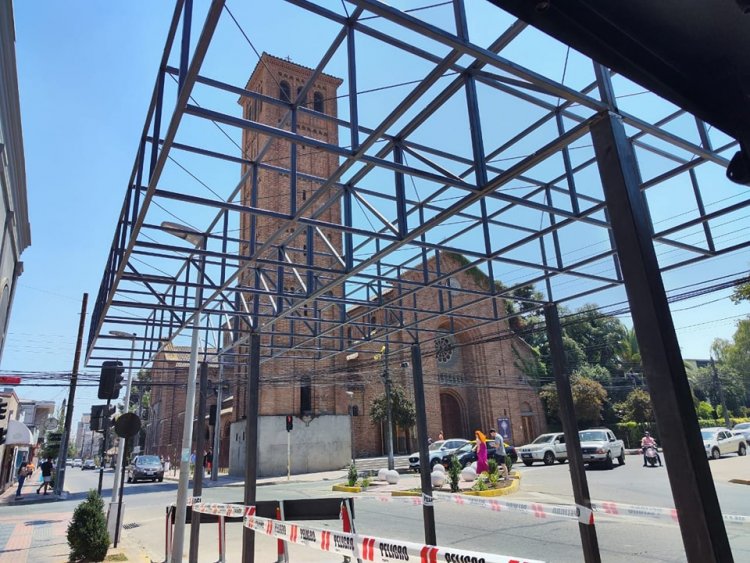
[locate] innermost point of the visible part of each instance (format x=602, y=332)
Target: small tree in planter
x=87, y=532
x=454, y=473
x=351, y=478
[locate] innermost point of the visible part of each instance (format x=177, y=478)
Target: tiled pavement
x=27, y=536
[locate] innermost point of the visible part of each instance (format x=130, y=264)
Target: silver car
x=437, y=450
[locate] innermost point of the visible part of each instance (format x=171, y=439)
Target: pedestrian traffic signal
x=289, y=422
x=212, y=415
x=3, y=409
x=2, y=435
x=110, y=381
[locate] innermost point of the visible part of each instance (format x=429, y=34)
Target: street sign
x=128, y=425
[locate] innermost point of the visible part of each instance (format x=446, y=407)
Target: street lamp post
x=178, y=538
x=121, y=442
x=351, y=423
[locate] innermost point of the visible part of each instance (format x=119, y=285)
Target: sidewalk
x=41, y=536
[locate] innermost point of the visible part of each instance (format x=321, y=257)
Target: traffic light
x=98, y=415
x=3, y=409
x=110, y=381
x=289, y=422
x=212, y=415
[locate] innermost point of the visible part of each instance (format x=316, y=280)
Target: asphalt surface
x=621, y=539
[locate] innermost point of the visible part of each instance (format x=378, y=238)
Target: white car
x=545, y=448
x=77, y=462
x=744, y=429
x=437, y=450
x=720, y=441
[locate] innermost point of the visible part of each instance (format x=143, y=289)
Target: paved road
x=466, y=527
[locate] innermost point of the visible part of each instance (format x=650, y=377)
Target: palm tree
x=629, y=354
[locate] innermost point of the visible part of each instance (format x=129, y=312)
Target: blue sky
x=86, y=72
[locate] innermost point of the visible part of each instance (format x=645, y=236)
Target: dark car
x=144, y=468
x=467, y=454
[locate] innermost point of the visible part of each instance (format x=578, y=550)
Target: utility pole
x=63, y=455
x=217, y=420
x=723, y=399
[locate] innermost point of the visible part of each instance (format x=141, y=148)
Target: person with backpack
x=23, y=472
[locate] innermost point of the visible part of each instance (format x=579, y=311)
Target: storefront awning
x=18, y=434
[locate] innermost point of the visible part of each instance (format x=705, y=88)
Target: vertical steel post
x=200, y=441
x=217, y=421
x=428, y=511
x=105, y=424
x=187, y=19
x=589, y=541
x=701, y=524
x=60, y=477
x=251, y=441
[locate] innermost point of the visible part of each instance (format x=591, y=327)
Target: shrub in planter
x=351, y=478
x=454, y=473
x=87, y=532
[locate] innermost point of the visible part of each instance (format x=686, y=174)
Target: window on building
x=305, y=397
x=318, y=101
x=285, y=93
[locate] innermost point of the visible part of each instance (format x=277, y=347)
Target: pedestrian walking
x=23, y=472
x=46, y=468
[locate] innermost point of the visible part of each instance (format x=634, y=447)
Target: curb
x=509, y=490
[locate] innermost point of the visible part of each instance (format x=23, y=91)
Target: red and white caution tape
x=567, y=511
x=219, y=509
x=369, y=548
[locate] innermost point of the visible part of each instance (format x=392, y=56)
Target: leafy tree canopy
x=589, y=397
x=403, y=412
x=637, y=406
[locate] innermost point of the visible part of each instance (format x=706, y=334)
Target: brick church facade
x=471, y=377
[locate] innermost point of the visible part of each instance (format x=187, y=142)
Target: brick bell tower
x=282, y=79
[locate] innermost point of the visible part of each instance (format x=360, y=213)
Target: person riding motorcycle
x=648, y=442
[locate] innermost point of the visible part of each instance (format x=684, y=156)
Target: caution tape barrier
x=568, y=511
x=368, y=548
x=358, y=546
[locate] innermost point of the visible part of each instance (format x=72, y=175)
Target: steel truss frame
x=468, y=213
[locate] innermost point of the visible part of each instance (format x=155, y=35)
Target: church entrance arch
x=451, y=416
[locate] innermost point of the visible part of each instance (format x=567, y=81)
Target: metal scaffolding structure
x=471, y=159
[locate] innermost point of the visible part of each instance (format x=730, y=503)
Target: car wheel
x=161, y=479
x=434, y=462
x=608, y=464
x=715, y=453
x=130, y=479
x=549, y=458
x=527, y=463
x=153, y=480
x=742, y=450
x=621, y=459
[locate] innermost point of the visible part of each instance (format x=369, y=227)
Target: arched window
x=318, y=101
x=285, y=93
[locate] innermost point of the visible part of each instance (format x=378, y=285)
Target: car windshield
x=544, y=439
x=708, y=434
x=742, y=426
x=592, y=436
x=436, y=445
x=148, y=460
x=465, y=448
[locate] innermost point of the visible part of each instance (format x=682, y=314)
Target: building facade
x=472, y=381
x=15, y=232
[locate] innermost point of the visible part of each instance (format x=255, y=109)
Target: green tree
x=403, y=412
x=705, y=410
x=87, y=532
x=597, y=373
x=629, y=353
x=637, y=406
x=589, y=397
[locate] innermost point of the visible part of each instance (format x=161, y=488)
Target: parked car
x=744, y=429
x=77, y=462
x=546, y=448
x=720, y=441
x=467, y=454
x=88, y=464
x=599, y=445
x=144, y=467
x=437, y=450
x=69, y=462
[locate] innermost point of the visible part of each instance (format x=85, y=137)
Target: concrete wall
x=324, y=445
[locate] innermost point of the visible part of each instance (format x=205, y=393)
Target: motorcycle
x=650, y=453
